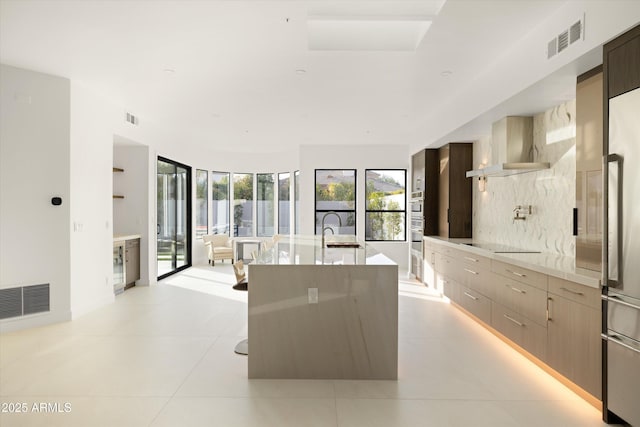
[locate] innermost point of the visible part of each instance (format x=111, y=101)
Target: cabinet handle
x=618, y=300
x=615, y=339
x=513, y=320
x=470, y=271
x=549, y=316
x=520, y=291
x=571, y=291
x=471, y=296
x=516, y=273
x=471, y=259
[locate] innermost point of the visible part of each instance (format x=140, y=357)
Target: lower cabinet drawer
x=475, y=303
x=480, y=279
x=521, y=330
x=450, y=288
x=447, y=266
x=527, y=300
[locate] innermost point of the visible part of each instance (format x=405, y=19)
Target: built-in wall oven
x=417, y=232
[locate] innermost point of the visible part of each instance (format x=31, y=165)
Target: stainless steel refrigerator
x=622, y=258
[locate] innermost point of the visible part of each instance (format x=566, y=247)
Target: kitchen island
x=323, y=312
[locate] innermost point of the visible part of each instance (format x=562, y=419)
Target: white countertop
x=122, y=237
x=307, y=250
x=563, y=267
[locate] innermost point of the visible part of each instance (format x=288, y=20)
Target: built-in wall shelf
x=115, y=169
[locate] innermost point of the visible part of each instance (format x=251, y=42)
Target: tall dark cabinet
x=455, y=191
x=424, y=204
x=425, y=171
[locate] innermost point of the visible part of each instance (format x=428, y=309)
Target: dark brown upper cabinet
x=455, y=190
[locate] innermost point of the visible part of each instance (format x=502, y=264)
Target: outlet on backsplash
x=521, y=212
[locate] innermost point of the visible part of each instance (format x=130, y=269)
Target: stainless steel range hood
x=511, y=149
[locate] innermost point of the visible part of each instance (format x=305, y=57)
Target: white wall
x=524, y=63
x=357, y=157
x=131, y=214
x=551, y=193
x=92, y=122
x=34, y=167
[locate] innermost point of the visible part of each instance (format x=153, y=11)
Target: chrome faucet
x=329, y=228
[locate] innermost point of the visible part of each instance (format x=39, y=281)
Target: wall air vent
x=130, y=118
x=552, y=47
x=563, y=40
x=575, y=32
x=24, y=300
x=566, y=38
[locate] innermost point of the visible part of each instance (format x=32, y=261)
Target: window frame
x=403, y=211
x=228, y=199
x=288, y=200
x=206, y=204
x=232, y=217
x=338, y=211
x=273, y=204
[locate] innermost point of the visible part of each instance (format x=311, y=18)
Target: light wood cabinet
x=455, y=191
x=132, y=261
x=524, y=275
x=524, y=299
x=475, y=303
x=450, y=288
x=555, y=320
x=520, y=329
x=573, y=340
x=476, y=274
x=429, y=266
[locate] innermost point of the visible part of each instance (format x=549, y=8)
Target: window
x=296, y=203
x=202, y=205
x=220, y=202
x=242, y=204
x=284, y=203
x=265, y=204
x=385, y=204
x=336, y=191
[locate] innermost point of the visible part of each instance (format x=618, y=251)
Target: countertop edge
x=583, y=277
x=124, y=237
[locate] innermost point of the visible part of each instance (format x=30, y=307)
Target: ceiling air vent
x=130, y=118
x=563, y=40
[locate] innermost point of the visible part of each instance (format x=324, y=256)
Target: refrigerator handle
x=613, y=249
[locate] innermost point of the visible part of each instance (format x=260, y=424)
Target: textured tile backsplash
x=551, y=193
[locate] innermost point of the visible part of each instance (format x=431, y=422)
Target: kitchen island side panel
x=350, y=333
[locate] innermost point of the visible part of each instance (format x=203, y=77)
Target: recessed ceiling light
x=301, y=71
x=446, y=73
x=169, y=70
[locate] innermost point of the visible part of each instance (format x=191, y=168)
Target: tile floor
x=163, y=356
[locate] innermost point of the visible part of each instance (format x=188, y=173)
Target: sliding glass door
x=174, y=217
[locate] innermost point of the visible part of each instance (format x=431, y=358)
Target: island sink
x=355, y=245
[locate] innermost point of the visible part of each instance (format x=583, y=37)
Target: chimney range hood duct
x=511, y=148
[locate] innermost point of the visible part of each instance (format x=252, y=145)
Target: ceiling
x=271, y=75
